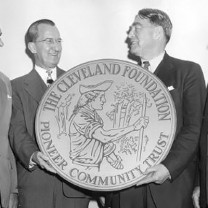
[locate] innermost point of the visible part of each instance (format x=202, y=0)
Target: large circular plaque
x=104, y=122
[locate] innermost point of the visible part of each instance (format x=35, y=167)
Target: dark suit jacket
x=203, y=158
x=8, y=173
x=188, y=95
x=27, y=93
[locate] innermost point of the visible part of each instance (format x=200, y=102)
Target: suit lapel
x=59, y=72
x=166, y=72
x=34, y=85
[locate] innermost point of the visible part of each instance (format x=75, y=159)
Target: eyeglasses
x=50, y=41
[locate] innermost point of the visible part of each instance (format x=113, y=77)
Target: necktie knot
x=49, y=77
x=146, y=65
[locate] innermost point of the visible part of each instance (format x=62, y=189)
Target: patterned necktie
x=49, y=78
x=146, y=65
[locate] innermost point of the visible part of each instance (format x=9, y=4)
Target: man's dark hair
x=160, y=18
x=32, y=32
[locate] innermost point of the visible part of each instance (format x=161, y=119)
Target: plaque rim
x=96, y=187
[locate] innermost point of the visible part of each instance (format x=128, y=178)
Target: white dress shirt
x=43, y=73
x=154, y=63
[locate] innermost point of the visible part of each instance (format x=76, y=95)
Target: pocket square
x=171, y=88
x=9, y=96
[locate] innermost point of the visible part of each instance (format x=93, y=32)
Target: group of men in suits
x=166, y=185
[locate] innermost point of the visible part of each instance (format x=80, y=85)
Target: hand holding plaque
x=156, y=174
x=43, y=161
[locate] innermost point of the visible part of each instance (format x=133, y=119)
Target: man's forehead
x=139, y=20
x=44, y=27
x=48, y=30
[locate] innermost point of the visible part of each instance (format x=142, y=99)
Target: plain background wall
x=95, y=29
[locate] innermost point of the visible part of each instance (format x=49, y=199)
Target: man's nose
x=131, y=33
x=57, y=46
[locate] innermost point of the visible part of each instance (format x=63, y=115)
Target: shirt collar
x=154, y=63
x=43, y=74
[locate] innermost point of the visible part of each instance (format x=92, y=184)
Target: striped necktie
x=49, y=80
x=146, y=65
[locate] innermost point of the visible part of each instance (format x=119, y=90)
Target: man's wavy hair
x=159, y=18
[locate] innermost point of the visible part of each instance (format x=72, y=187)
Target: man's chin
x=134, y=52
x=53, y=65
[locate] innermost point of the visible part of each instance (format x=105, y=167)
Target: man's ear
x=158, y=33
x=32, y=47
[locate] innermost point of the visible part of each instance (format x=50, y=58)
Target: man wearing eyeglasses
x=8, y=172
x=170, y=183
x=39, y=186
